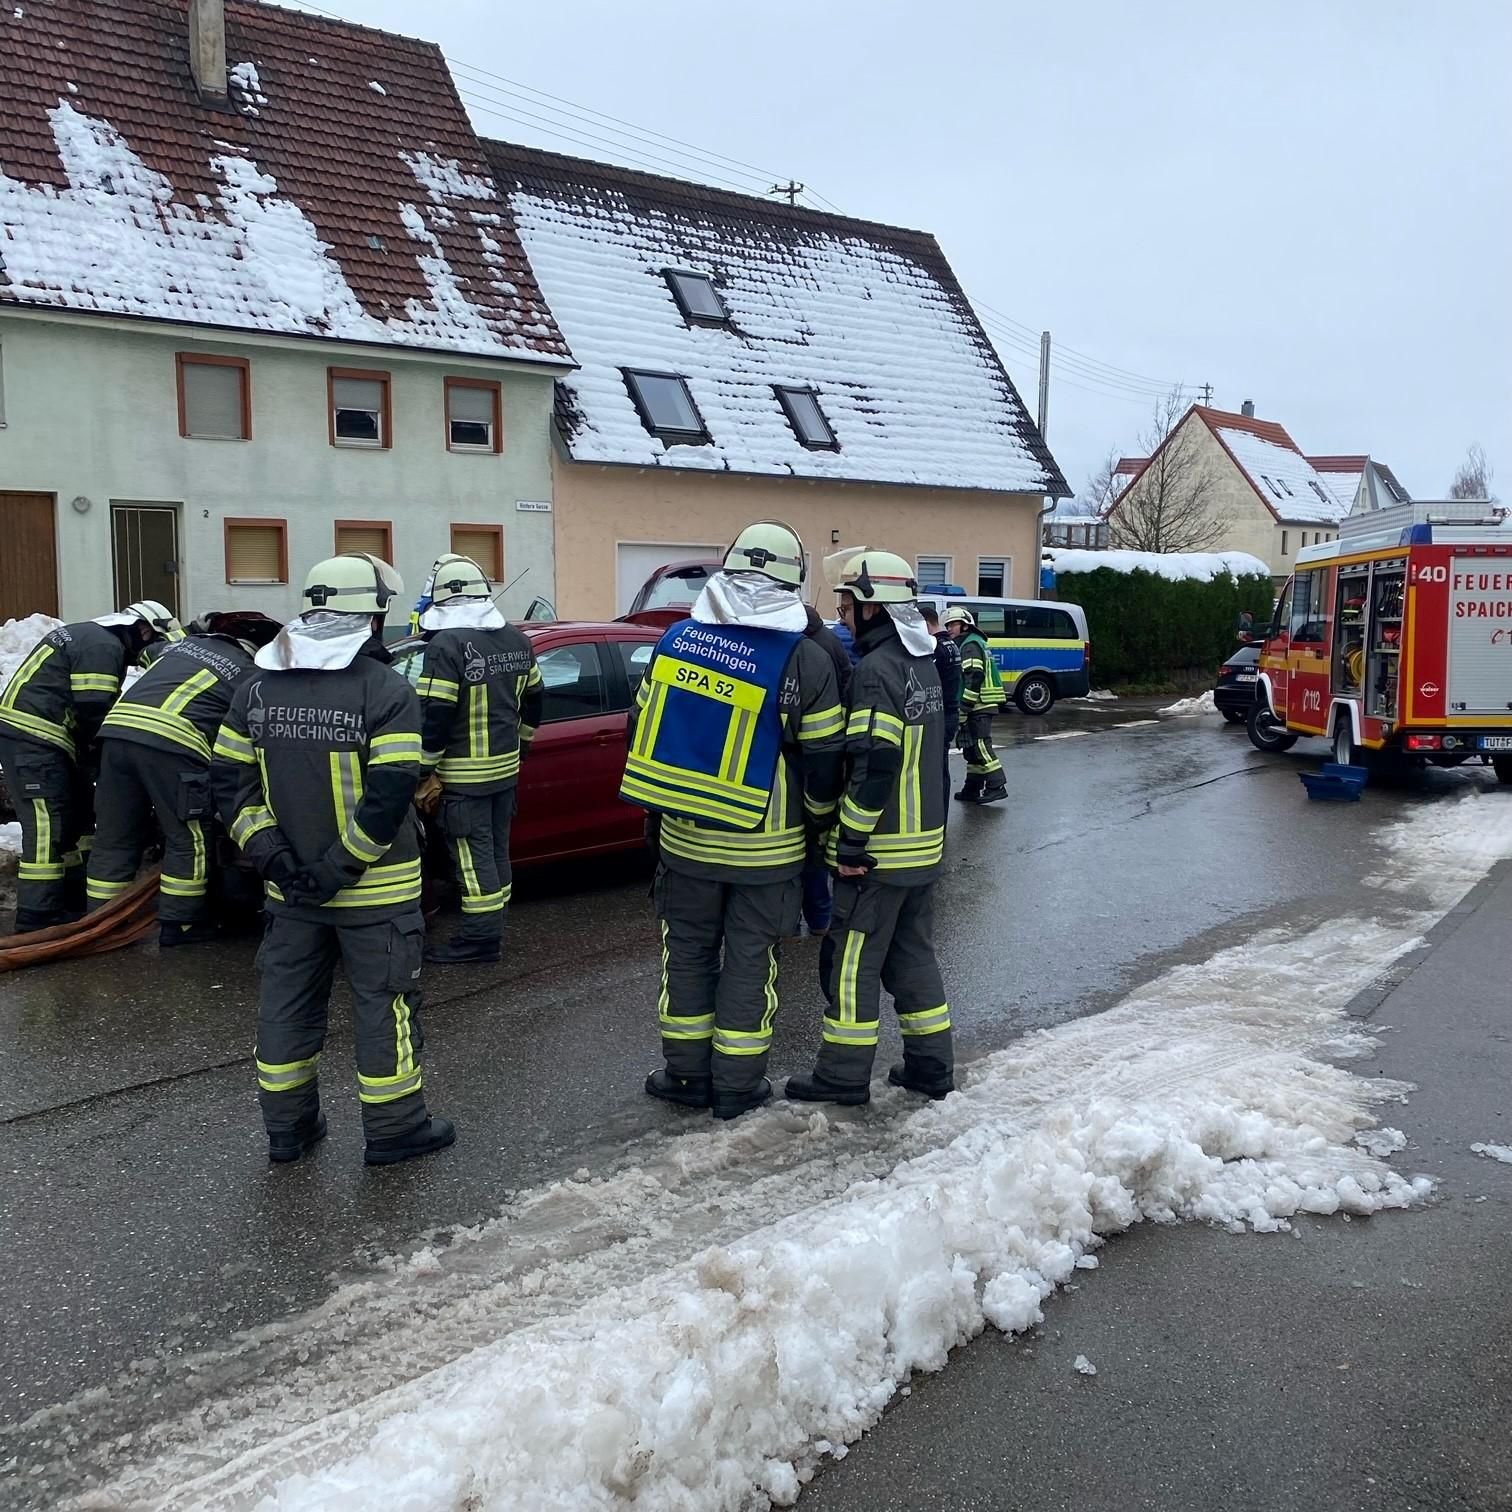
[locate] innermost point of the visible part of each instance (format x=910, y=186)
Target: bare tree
x=1104, y=486
x=1473, y=478
x=1171, y=507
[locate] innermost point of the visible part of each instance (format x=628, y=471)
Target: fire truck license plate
x=1496, y=742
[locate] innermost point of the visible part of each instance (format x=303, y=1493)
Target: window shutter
x=213, y=401
x=358, y=394
x=254, y=553
x=372, y=539
x=475, y=404
x=483, y=546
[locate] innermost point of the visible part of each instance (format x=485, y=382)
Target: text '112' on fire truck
x=1397, y=638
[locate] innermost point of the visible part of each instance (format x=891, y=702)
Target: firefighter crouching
x=314, y=774
x=886, y=847
x=982, y=696
x=50, y=716
x=480, y=694
x=155, y=760
x=735, y=742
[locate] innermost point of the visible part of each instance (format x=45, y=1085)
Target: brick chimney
x=207, y=48
x=1247, y=409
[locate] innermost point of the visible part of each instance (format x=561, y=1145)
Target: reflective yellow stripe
x=173, y=728
x=394, y=748
x=846, y=995
x=853, y=816
x=362, y=845
x=285, y=1076
x=38, y=728
x=93, y=682
x=252, y=820
x=42, y=818
x=822, y=724
x=925, y=1021
x=24, y=674
x=474, y=769
x=438, y=688
x=477, y=721
x=398, y=882
x=188, y=690
x=232, y=745
x=755, y=849
x=99, y=891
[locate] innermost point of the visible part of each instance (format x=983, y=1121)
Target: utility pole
x=791, y=189
x=1044, y=390
x=1207, y=394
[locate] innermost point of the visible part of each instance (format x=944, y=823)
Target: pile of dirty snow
x=17, y=637
x=1203, y=704
x=1178, y=566
x=10, y=841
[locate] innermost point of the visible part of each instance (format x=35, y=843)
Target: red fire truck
x=1397, y=638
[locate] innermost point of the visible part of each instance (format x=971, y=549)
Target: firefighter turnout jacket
x=63, y=690
x=481, y=693
x=316, y=770
x=981, y=687
x=177, y=705
x=777, y=803
x=893, y=808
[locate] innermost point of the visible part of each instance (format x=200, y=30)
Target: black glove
x=316, y=883
x=963, y=737
x=281, y=869
x=851, y=851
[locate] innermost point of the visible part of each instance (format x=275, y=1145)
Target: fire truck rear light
x=1423, y=742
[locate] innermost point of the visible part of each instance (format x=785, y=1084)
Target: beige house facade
x=738, y=360
x=1258, y=491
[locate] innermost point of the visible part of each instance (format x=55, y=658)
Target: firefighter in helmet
x=480, y=695
x=982, y=696
x=314, y=773
x=886, y=848
x=735, y=744
x=51, y=711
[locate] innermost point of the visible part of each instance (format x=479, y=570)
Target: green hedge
x=1146, y=628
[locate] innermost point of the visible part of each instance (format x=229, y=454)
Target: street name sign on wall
x=533, y=506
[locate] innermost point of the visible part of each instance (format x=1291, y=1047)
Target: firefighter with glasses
x=314, y=775
x=982, y=696
x=155, y=764
x=51, y=711
x=481, y=694
x=886, y=848
x=735, y=743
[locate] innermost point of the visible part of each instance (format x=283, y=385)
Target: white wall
x=91, y=409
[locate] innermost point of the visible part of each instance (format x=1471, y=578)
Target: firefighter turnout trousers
x=882, y=936
x=984, y=772
x=297, y=960
x=54, y=805
x=136, y=782
x=716, y=1017
x=476, y=827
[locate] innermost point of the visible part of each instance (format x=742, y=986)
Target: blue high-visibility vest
x=709, y=735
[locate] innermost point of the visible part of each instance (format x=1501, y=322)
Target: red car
x=569, y=803
x=668, y=594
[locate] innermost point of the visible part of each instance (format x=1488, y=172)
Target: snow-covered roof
x=1343, y=475
x=869, y=317
x=1346, y=475
x=312, y=204
x=1178, y=566
x=1285, y=481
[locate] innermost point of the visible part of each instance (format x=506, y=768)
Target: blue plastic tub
x=1335, y=783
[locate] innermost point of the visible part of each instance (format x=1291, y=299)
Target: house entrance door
x=29, y=558
x=144, y=542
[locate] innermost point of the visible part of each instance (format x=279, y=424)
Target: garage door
x=29, y=561
x=637, y=560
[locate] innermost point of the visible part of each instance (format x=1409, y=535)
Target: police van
x=1041, y=646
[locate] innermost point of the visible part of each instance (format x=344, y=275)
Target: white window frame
x=949, y=562
x=2, y=385
x=1007, y=563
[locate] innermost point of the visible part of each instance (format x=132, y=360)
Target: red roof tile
x=423, y=256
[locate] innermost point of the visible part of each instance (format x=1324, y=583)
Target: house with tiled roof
x=1361, y=483
x=739, y=358
x=1255, y=486
x=259, y=301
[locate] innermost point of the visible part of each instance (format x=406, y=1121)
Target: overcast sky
x=1306, y=203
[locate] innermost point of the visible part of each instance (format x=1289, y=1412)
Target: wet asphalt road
x=141, y=1216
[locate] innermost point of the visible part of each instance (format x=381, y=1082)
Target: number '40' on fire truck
x=1397, y=638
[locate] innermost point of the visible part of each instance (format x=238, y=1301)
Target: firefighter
x=947, y=660
x=155, y=760
x=736, y=744
x=886, y=847
x=50, y=716
x=314, y=772
x=480, y=695
x=982, y=696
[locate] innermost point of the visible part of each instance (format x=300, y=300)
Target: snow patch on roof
x=908, y=390
x=1177, y=566
x=116, y=240
x=445, y=178
x=1285, y=479
x=376, y=87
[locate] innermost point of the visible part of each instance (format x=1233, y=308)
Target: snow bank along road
x=698, y=1323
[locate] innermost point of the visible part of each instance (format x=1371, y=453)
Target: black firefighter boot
x=909, y=1076
x=686, y=1091
x=170, y=934
x=466, y=950
x=435, y=1133
x=992, y=794
x=290, y=1144
x=818, y=1088
x=972, y=791
x=731, y=1102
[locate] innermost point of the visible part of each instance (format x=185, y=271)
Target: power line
x=1086, y=358
x=1069, y=370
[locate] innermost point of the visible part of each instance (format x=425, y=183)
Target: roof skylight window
x=1317, y=488
x=666, y=407
x=697, y=297
x=807, y=419
x=1270, y=483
